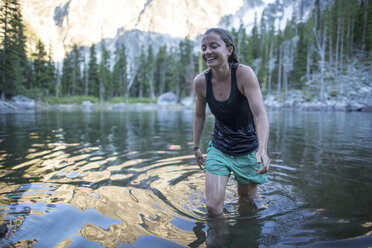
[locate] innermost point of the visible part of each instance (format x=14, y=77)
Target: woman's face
x=214, y=50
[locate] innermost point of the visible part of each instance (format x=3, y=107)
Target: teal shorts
x=243, y=167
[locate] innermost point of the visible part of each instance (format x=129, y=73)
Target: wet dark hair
x=226, y=37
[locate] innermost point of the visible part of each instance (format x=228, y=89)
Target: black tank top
x=234, y=129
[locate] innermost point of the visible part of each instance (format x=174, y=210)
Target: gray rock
x=340, y=106
x=167, y=98
x=22, y=102
x=6, y=108
x=354, y=106
x=87, y=103
x=187, y=101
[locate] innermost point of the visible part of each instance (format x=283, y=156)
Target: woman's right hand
x=200, y=160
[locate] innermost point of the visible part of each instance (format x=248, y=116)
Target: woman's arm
x=248, y=83
x=199, y=116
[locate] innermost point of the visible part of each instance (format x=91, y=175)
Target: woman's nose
x=207, y=50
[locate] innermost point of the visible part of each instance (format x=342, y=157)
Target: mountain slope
x=62, y=23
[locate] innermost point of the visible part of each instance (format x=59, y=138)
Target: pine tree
x=93, y=78
x=51, y=72
x=120, y=71
x=105, y=86
x=160, y=71
x=172, y=72
x=41, y=73
x=150, y=72
x=77, y=86
x=67, y=71
x=255, y=40
x=13, y=53
x=185, y=67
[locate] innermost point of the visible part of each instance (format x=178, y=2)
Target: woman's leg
x=247, y=191
x=215, y=187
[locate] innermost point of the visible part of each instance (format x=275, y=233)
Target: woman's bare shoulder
x=199, y=80
x=244, y=70
x=200, y=84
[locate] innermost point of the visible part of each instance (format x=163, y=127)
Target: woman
x=234, y=97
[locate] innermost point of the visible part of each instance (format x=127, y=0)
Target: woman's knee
x=214, y=209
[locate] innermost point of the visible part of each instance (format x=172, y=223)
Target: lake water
x=129, y=179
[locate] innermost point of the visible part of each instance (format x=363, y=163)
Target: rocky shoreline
x=21, y=104
x=329, y=105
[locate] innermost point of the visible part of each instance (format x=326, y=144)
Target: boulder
x=22, y=102
x=167, y=98
x=6, y=107
x=354, y=106
x=187, y=101
x=87, y=105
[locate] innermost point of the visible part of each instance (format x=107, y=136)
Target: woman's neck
x=221, y=72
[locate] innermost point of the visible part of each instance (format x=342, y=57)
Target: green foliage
x=132, y=100
x=70, y=99
x=93, y=77
x=43, y=69
x=333, y=93
x=14, y=64
x=120, y=71
x=142, y=100
x=34, y=93
x=104, y=74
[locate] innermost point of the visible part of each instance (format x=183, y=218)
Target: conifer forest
x=304, y=56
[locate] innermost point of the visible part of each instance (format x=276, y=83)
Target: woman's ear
x=230, y=50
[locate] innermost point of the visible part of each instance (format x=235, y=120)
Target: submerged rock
x=3, y=231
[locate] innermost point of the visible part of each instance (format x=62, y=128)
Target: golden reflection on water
x=158, y=191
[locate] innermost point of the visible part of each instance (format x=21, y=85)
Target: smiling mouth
x=210, y=59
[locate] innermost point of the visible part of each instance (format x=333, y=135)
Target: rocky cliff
x=62, y=23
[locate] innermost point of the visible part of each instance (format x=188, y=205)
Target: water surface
x=129, y=179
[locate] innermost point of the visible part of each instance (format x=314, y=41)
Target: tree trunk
x=73, y=86
x=121, y=87
x=348, y=41
x=271, y=67
x=364, y=25
x=150, y=78
x=131, y=81
x=285, y=82
x=101, y=90
x=352, y=35
x=279, y=73
x=191, y=73
x=321, y=41
x=162, y=81
x=308, y=62
x=5, y=41
x=56, y=83
x=330, y=51
x=342, y=48
x=337, y=43
x=86, y=83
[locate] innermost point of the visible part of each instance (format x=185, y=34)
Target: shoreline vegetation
x=22, y=104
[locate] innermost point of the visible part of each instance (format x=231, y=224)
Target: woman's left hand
x=200, y=160
x=263, y=158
